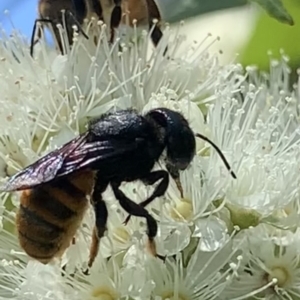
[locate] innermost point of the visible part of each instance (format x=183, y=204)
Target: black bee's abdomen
x=48, y=218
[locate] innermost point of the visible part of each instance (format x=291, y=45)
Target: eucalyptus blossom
x=226, y=238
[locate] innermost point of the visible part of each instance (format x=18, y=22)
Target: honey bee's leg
x=156, y=36
x=115, y=19
x=72, y=20
x=136, y=210
x=100, y=216
x=159, y=190
x=69, y=20
x=97, y=8
x=55, y=31
x=39, y=33
x=156, y=33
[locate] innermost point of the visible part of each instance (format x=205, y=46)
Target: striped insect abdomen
x=50, y=214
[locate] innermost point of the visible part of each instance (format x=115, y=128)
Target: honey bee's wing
x=46, y=168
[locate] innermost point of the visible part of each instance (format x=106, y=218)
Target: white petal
x=212, y=233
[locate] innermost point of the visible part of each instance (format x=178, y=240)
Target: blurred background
x=23, y=12
x=243, y=28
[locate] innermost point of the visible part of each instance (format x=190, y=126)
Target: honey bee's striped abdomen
x=136, y=10
x=50, y=214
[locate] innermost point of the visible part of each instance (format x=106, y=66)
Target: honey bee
x=118, y=147
x=68, y=12
x=141, y=12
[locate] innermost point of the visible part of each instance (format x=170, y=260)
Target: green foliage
x=276, y=10
x=177, y=10
x=271, y=35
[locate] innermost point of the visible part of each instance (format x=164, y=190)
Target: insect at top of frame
x=70, y=13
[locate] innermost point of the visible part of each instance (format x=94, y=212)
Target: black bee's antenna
x=203, y=137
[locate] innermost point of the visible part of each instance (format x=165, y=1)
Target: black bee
x=117, y=147
x=70, y=12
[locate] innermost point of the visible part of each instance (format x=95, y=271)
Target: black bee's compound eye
x=179, y=139
x=181, y=148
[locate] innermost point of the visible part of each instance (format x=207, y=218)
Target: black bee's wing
x=44, y=169
x=100, y=151
x=73, y=156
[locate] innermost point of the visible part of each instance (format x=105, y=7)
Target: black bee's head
x=179, y=139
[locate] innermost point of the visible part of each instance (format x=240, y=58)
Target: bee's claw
x=152, y=249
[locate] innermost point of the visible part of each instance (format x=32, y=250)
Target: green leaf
x=178, y=10
x=276, y=10
x=271, y=36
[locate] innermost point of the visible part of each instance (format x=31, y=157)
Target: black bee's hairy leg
x=136, y=210
x=72, y=19
x=64, y=267
x=32, y=41
x=101, y=215
x=159, y=190
x=99, y=230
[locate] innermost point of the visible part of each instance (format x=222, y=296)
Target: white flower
x=270, y=267
x=53, y=92
x=195, y=274
x=48, y=100
x=261, y=143
x=109, y=280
